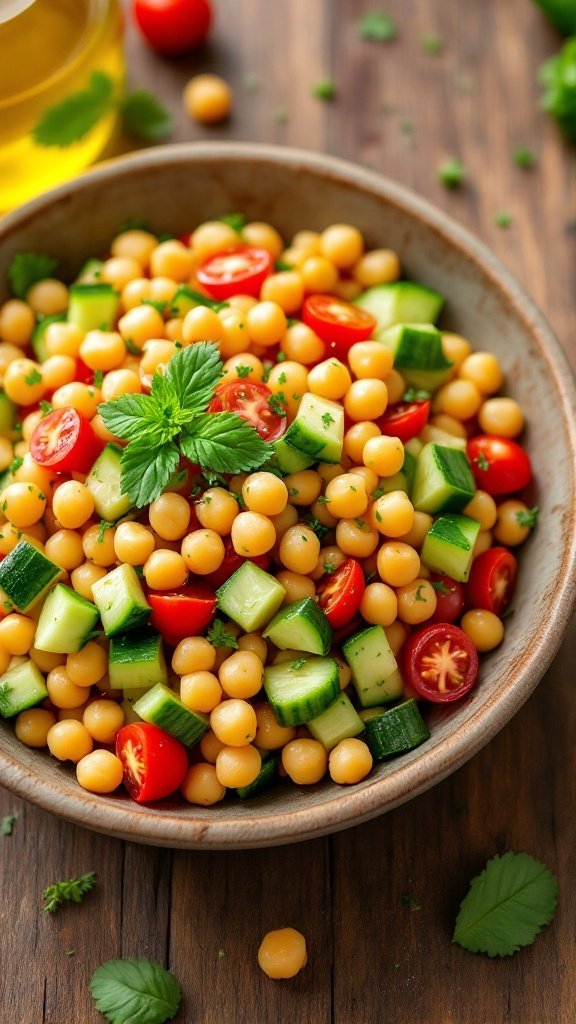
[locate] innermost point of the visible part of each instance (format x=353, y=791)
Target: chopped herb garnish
x=432, y=43
x=360, y=523
x=503, y=219
x=98, y=378
x=131, y=347
x=277, y=403
x=7, y=824
x=72, y=891
x=329, y=568
x=16, y=463
x=418, y=594
x=529, y=517
x=377, y=26
x=295, y=665
x=323, y=500
x=451, y=173
x=160, y=305
x=324, y=90
x=482, y=462
x=34, y=377
x=281, y=265
x=524, y=158
x=243, y=371
x=410, y=902
x=220, y=636
x=327, y=419
x=102, y=527
x=441, y=587
x=415, y=395
x=293, y=491
x=282, y=378
x=236, y=221
x=378, y=516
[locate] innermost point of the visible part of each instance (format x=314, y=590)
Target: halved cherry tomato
x=183, y=612
x=173, y=26
x=337, y=322
x=251, y=401
x=242, y=270
x=64, y=440
x=449, y=598
x=154, y=762
x=405, y=419
x=440, y=662
x=500, y=466
x=492, y=580
x=340, y=594
x=233, y=561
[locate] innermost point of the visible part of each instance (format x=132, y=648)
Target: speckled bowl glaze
x=174, y=189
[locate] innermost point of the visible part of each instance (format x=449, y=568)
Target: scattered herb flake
x=236, y=221
x=451, y=173
x=327, y=419
x=418, y=594
x=524, y=158
x=158, y=304
x=243, y=371
x=432, y=43
x=325, y=89
x=482, y=462
x=16, y=463
x=329, y=568
x=72, y=891
x=7, y=824
x=377, y=26
x=219, y=636
x=503, y=219
x=281, y=265
x=410, y=902
x=441, y=587
x=529, y=517
x=295, y=665
x=98, y=378
x=102, y=527
x=415, y=395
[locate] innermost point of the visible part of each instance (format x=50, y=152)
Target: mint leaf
x=72, y=119
x=135, y=991
x=506, y=906
x=144, y=117
x=130, y=415
x=224, y=442
x=193, y=374
x=377, y=26
x=145, y=471
x=26, y=269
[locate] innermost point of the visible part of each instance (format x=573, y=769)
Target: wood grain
x=373, y=960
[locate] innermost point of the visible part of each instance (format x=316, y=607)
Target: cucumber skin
x=57, y=629
x=250, y=617
x=289, y=713
x=33, y=685
x=328, y=737
x=267, y=776
x=377, y=692
x=315, y=620
x=439, y=548
x=401, y=302
x=26, y=575
x=289, y=459
x=142, y=652
x=443, y=481
x=396, y=731
x=93, y=306
x=161, y=707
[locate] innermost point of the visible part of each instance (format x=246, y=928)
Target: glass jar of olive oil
x=61, y=75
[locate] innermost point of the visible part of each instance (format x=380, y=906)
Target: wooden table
x=372, y=958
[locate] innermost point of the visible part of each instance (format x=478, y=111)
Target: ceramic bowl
x=175, y=188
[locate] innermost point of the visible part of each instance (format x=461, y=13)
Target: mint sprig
x=135, y=989
x=172, y=421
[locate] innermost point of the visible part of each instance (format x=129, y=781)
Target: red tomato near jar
x=173, y=26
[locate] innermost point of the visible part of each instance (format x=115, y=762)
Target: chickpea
x=48, y=297
x=305, y=761
x=392, y=514
x=200, y=691
x=212, y=237
x=133, y=543
x=396, y=634
x=16, y=322
x=304, y=487
x=235, y=337
x=398, y=563
x=286, y=289
x=23, y=504
x=69, y=741
x=384, y=454
x=270, y=735
x=84, y=577
x=379, y=604
x=98, y=546
x=265, y=493
x=366, y=399
x=299, y=549
x=266, y=324
x=255, y=643
x=103, y=720
x=238, y=766
x=23, y=382
x=135, y=291
x=263, y=236
x=169, y=516
x=284, y=520
x=139, y=325
x=202, y=324
x=297, y=586
x=193, y=654
x=210, y=746
x=87, y=666
x=342, y=244
x=416, y=601
x=289, y=381
x=301, y=344
x=203, y=551
x=119, y=270
x=207, y=99
x=241, y=675
x=483, y=508
x=252, y=534
x=320, y=275
x=455, y=348
x=501, y=416
x=201, y=785
x=511, y=528
x=349, y=762
x=234, y=722
x=17, y=633
x=346, y=496
x=216, y=510
x=32, y=727
x=58, y=370
x=100, y=771
x=416, y=535
x=82, y=397
x=245, y=363
x=165, y=570
x=356, y=537
x=172, y=259
x=330, y=379
x=484, y=628
x=483, y=543
x=370, y=360
x=379, y=266
x=484, y=370
x=396, y=387
x=136, y=245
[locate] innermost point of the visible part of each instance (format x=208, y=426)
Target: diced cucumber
x=338, y=722
x=90, y=272
x=267, y=776
x=38, y=339
x=251, y=597
x=120, y=600
x=401, y=302
x=318, y=430
x=26, y=575
x=183, y=301
x=301, y=626
x=66, y=621
x=418, y=354
x=104, y=484
x=21, y=687
x=413, y=447
x=289, y=459
x=161, y=707
x=443, y=481
x=393, y=731
x=136, y=661
x=430, y=433
x=401, y=481
x=301, y=690
x=449, y=545
x=374, y=669
x=93, y=306
x=7, y=414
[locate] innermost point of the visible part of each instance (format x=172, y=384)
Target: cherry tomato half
x=154, y=762
x=173, y=26
x=251, y=401
x=449, y=598
x=492, y=580
x=337, y=321
x=64, y=440
x=340, y=593
x=242, y=270
x=500, y=466
x=233, y=561
x=405, y=419
x=183, y=612
x=441, y=662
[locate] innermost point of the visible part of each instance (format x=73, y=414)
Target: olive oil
x=48, y=51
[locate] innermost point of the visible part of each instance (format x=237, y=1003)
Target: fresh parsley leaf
x=71, y=119
x=135, y=990
x=144, y=117
x=193, y=373
x=131, y=416
x=27, y=268
x=324, y=90
x=243, y=371
x=451, y=173
x=432, y=43
x=7, y=824
x=482, y=462
x=377, y=26
x=524, y=158
x=219, y=636
x=503, y=219
x=558, y=76
x=317, y=527
x=72, y=891
x=561, y=13
x=529, y=517
x=506, y=906
x=327, y=419
x=224, y=443
x=236, y=221
x=146, y=470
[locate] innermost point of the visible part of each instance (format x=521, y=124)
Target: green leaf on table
x=506, y=906
x=135, y=991
x=27, y=268
x=451, y=173
x=224, y=443
x=7, y=824
x=324, y=90
x=377, y=26
x=144, y=117
x=562, y=14
x=524, y=158
x=558, y=76
x=71, y=119
x=146, y=470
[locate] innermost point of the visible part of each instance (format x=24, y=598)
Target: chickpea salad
x=257, y=510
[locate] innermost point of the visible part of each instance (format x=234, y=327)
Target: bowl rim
x=350, y=807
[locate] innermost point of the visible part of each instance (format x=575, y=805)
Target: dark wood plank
x=372, y=958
